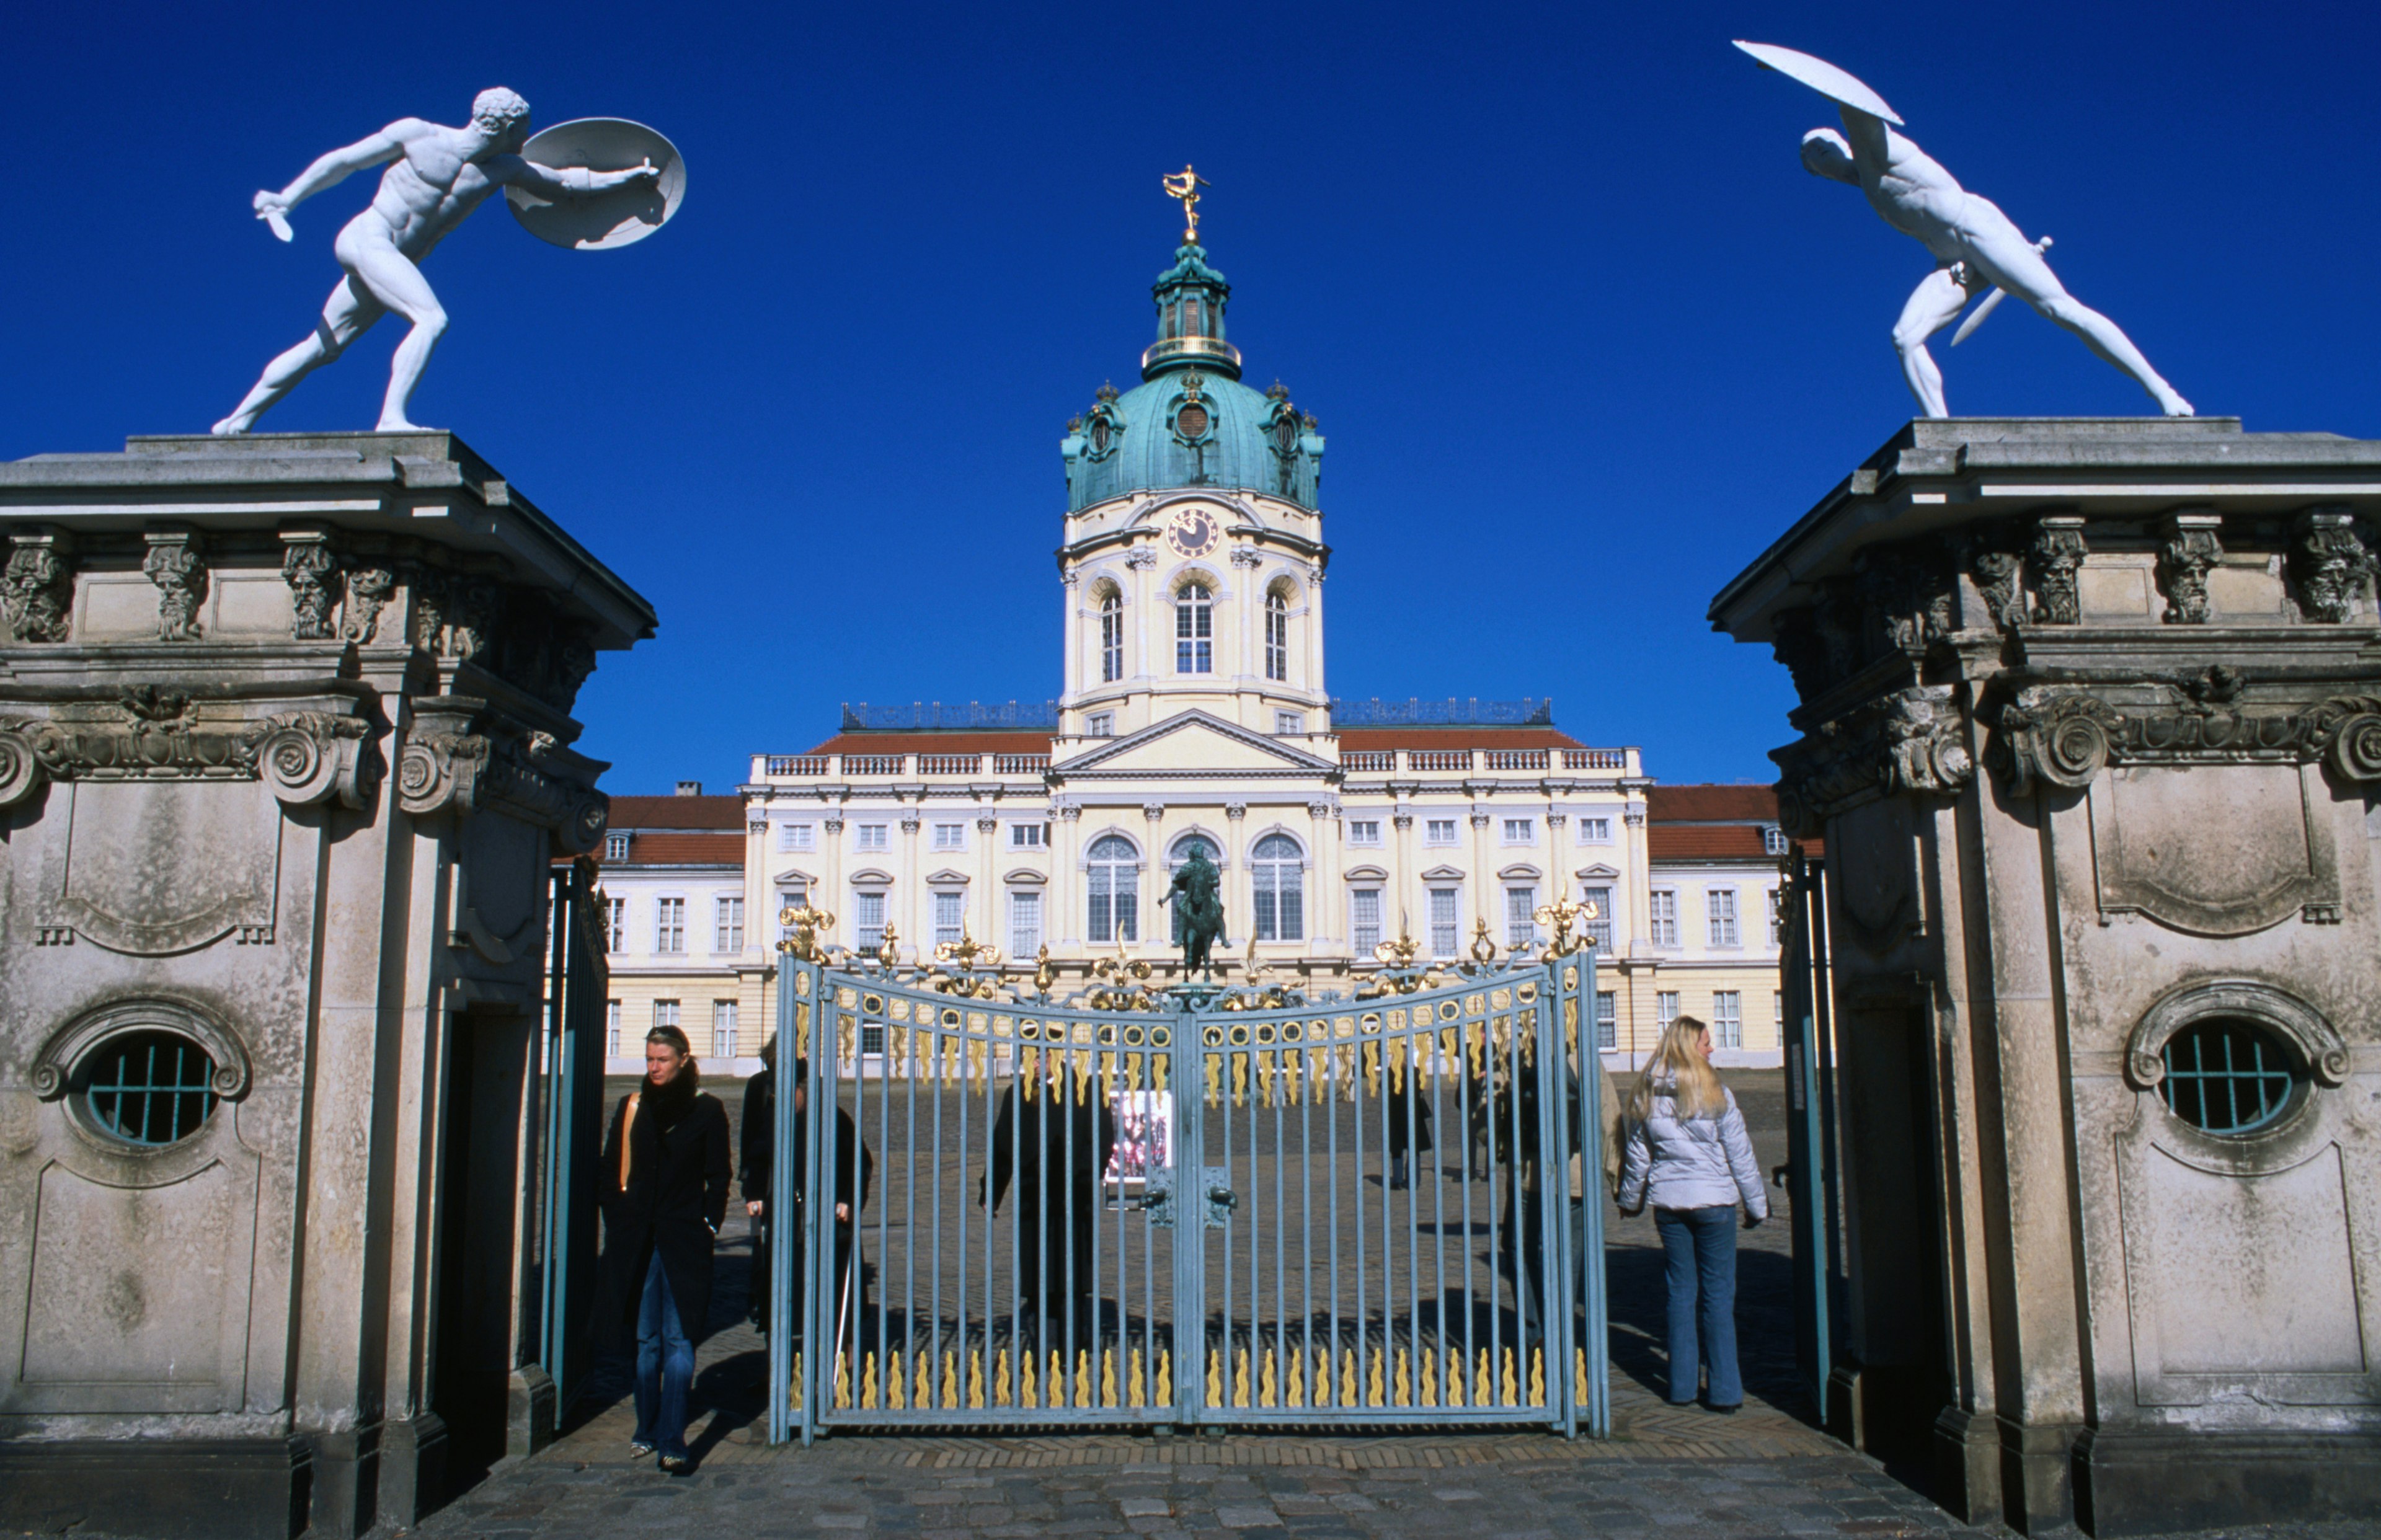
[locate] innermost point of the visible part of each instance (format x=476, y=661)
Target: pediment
x=947, y=877
x=1599, y=870
x=1366, y=873
x=1192, y=744
x=1443, y=873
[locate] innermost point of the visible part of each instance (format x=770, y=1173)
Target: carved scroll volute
x=582, y=830
x=21, y=770
x=310, y=757
x=2064, y=741
x=2351, y=727
x=442, y=760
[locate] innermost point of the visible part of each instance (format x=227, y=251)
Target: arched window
x=1112, y=638
x=1194, y=630
x=1279, y=876
x=1116, y=890
x=1277, y=642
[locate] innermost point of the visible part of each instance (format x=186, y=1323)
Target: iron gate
x=1810, y=1169
x=1195, y=1208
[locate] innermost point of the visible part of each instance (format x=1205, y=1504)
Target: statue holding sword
x=1976, y=246
x=440, y=175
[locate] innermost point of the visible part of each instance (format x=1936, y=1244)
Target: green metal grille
x=150, y=1088
x=2227, y=1077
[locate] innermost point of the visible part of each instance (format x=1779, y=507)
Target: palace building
x=1194, y=710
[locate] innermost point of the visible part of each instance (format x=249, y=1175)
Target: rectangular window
x=1115, y=904
x=1111, y=640
x=1520, y=831
x=1727, y=1019
x=794, y=837
x=670, y=924
x=723, y=1029
x=1608, y=1018
x=792, y=896
x=1438, y=831
x=1778, y=1011
x=611, y=1029
x=1665, y=1009
x=1194, y=629
x=615, y=924
x=869, y=837
x=951, y=836
x=1289, y=721
x=868, y=919
x=1276, y=643
x=1024, y=925
x=1364, y=920
x=1024, y=836
x=950, y=917
x=1719, y=911
x=1521, y=924
x=1661, y=917
x=665, y=1013
x=1364, y=831
x=1777, y=916
x=1443, y=934
x=1099, y=723
x=1596, y=831
x=728, y=925
x=615, y=847
x=871, y=1039
x=1599, y=930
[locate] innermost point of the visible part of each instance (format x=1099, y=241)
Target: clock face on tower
x=1193, y=532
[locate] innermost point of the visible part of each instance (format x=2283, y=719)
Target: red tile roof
x=684, y=849
x=936, y=743
x=1711, y=804
x=1457, y=738
x=678, y=812
x=1704, y=842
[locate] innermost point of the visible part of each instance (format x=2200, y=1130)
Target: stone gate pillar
x=2090, y=720
x=285, y=757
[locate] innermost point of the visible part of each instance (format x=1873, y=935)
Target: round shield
x=601, y=221
x=1835, y=84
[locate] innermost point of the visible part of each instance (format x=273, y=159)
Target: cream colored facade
x=1721, y=964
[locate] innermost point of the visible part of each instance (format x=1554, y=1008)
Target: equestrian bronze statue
x=1201, y=917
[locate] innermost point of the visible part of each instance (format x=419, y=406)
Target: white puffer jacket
x=1678, y=1162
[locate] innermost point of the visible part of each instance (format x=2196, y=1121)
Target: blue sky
x=1583, y=336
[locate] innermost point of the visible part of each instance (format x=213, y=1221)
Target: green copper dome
x=1191, y=422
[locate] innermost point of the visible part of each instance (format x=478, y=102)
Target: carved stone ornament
x=311, y=570
x=2329, y=564
x=153, y=735
x=2000, y=581
x=2067, y=737
x=38, y=587
x=1912, y=740
x=444, y=765
x=2058, y=556
x=1141, y=557
x=173, y=564
x=2318, y=1043
x=53, y=1066
x=2192, y=547
x=368, y=591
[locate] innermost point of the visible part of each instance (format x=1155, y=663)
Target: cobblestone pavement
x=1672, y=1472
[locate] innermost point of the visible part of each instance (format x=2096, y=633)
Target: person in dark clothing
x=854, y=1168
x=1055, y=1145
x=1520, y=1237
x=665, y=1193
x=1409, y=1129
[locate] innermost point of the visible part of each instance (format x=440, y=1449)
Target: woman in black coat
x=664, y=1186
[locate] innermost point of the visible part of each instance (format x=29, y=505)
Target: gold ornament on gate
x=967, y=951
x=1560, y=916
x=1483, y=949
x=806, y=925
x=888, y=949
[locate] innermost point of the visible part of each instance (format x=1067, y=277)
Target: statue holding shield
x=1975, y=246
x=440, y=175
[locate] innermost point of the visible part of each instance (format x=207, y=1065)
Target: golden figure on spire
x=1183, y=187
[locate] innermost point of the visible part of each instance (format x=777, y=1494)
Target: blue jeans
x=664, y=1366
x=1699, y=1246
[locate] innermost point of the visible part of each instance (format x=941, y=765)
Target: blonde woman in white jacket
x=1688, y=1155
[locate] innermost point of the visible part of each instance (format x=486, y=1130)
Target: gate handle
x=1780, y=1175
x=1225, y=1196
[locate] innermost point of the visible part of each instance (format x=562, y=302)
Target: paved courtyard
x=1671, y=1472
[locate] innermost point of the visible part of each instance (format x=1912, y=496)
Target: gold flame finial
x=1183, y=187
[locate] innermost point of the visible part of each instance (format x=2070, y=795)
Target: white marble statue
x=440, y=177
x=1977, y=246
